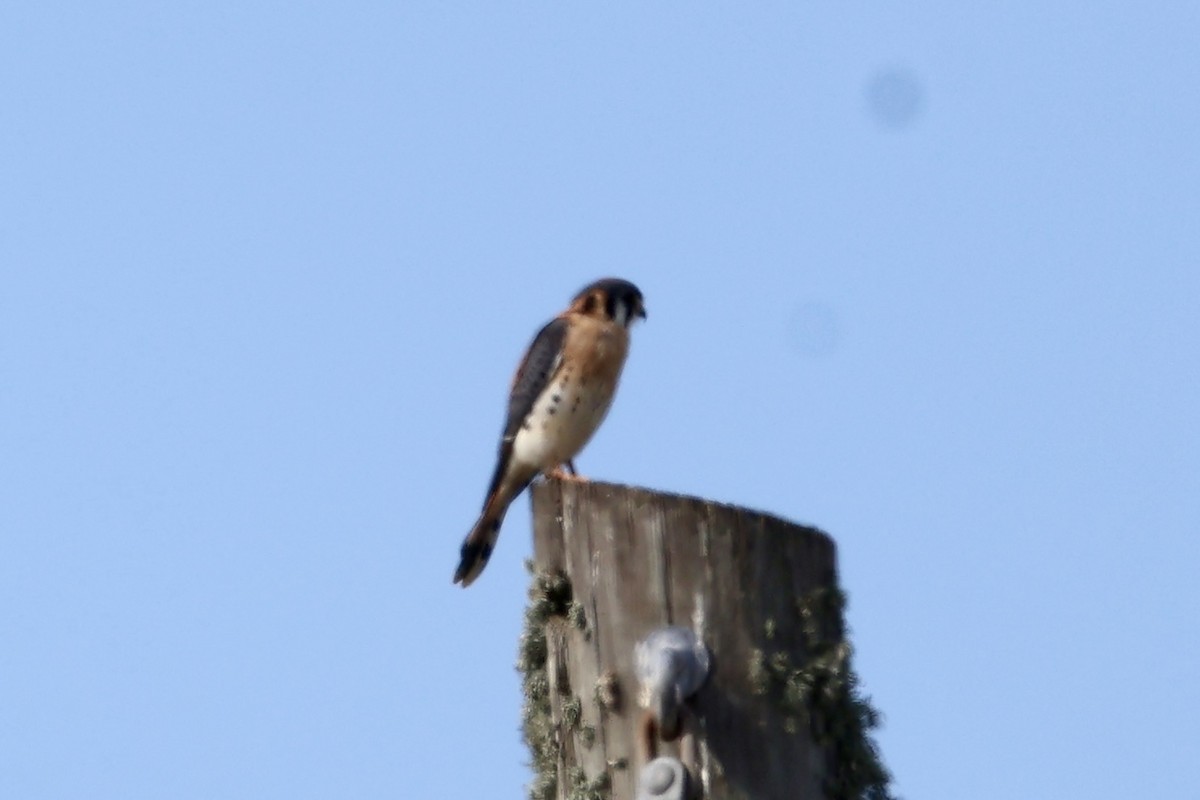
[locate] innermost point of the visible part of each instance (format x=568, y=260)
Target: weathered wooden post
x=778, y=717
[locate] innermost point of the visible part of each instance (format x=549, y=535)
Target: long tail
x=508, y=481
x=477, y=547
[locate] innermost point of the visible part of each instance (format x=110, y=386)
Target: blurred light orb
x=813, y=330
x=895, y=97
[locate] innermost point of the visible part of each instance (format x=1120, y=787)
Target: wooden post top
x=777, y=717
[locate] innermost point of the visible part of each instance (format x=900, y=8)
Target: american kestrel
x=560, y=394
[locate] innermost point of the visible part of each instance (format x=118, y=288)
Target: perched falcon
x=560, y=394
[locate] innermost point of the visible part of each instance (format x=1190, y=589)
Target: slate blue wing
x=533, y=376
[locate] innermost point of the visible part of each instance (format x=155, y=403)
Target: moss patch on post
x=823, y=694
x=550, y=598
x=598, y=788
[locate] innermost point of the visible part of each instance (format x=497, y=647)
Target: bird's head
x=611, y=299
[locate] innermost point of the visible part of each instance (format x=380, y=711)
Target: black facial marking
x=610, y=307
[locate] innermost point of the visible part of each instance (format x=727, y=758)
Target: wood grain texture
x=638, y=560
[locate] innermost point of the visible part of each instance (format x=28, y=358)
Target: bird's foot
x=568, y=474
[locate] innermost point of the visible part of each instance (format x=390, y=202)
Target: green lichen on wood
x=583, y=788
x=550, y=598
x=587, y=736
x=577, y=616
x=607, y=693
x=822, y=694
x=572, y=713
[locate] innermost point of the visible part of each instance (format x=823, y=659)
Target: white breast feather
x=547, y=440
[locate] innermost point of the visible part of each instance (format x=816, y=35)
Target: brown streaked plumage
x=560, y=394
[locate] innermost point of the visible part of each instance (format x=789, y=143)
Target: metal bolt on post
x=664, y=778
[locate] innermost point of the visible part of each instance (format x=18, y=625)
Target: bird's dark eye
x=590, y=304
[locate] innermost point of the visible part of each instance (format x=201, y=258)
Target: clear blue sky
x=924, y=275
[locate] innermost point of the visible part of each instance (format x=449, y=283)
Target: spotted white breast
x=573, y=405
